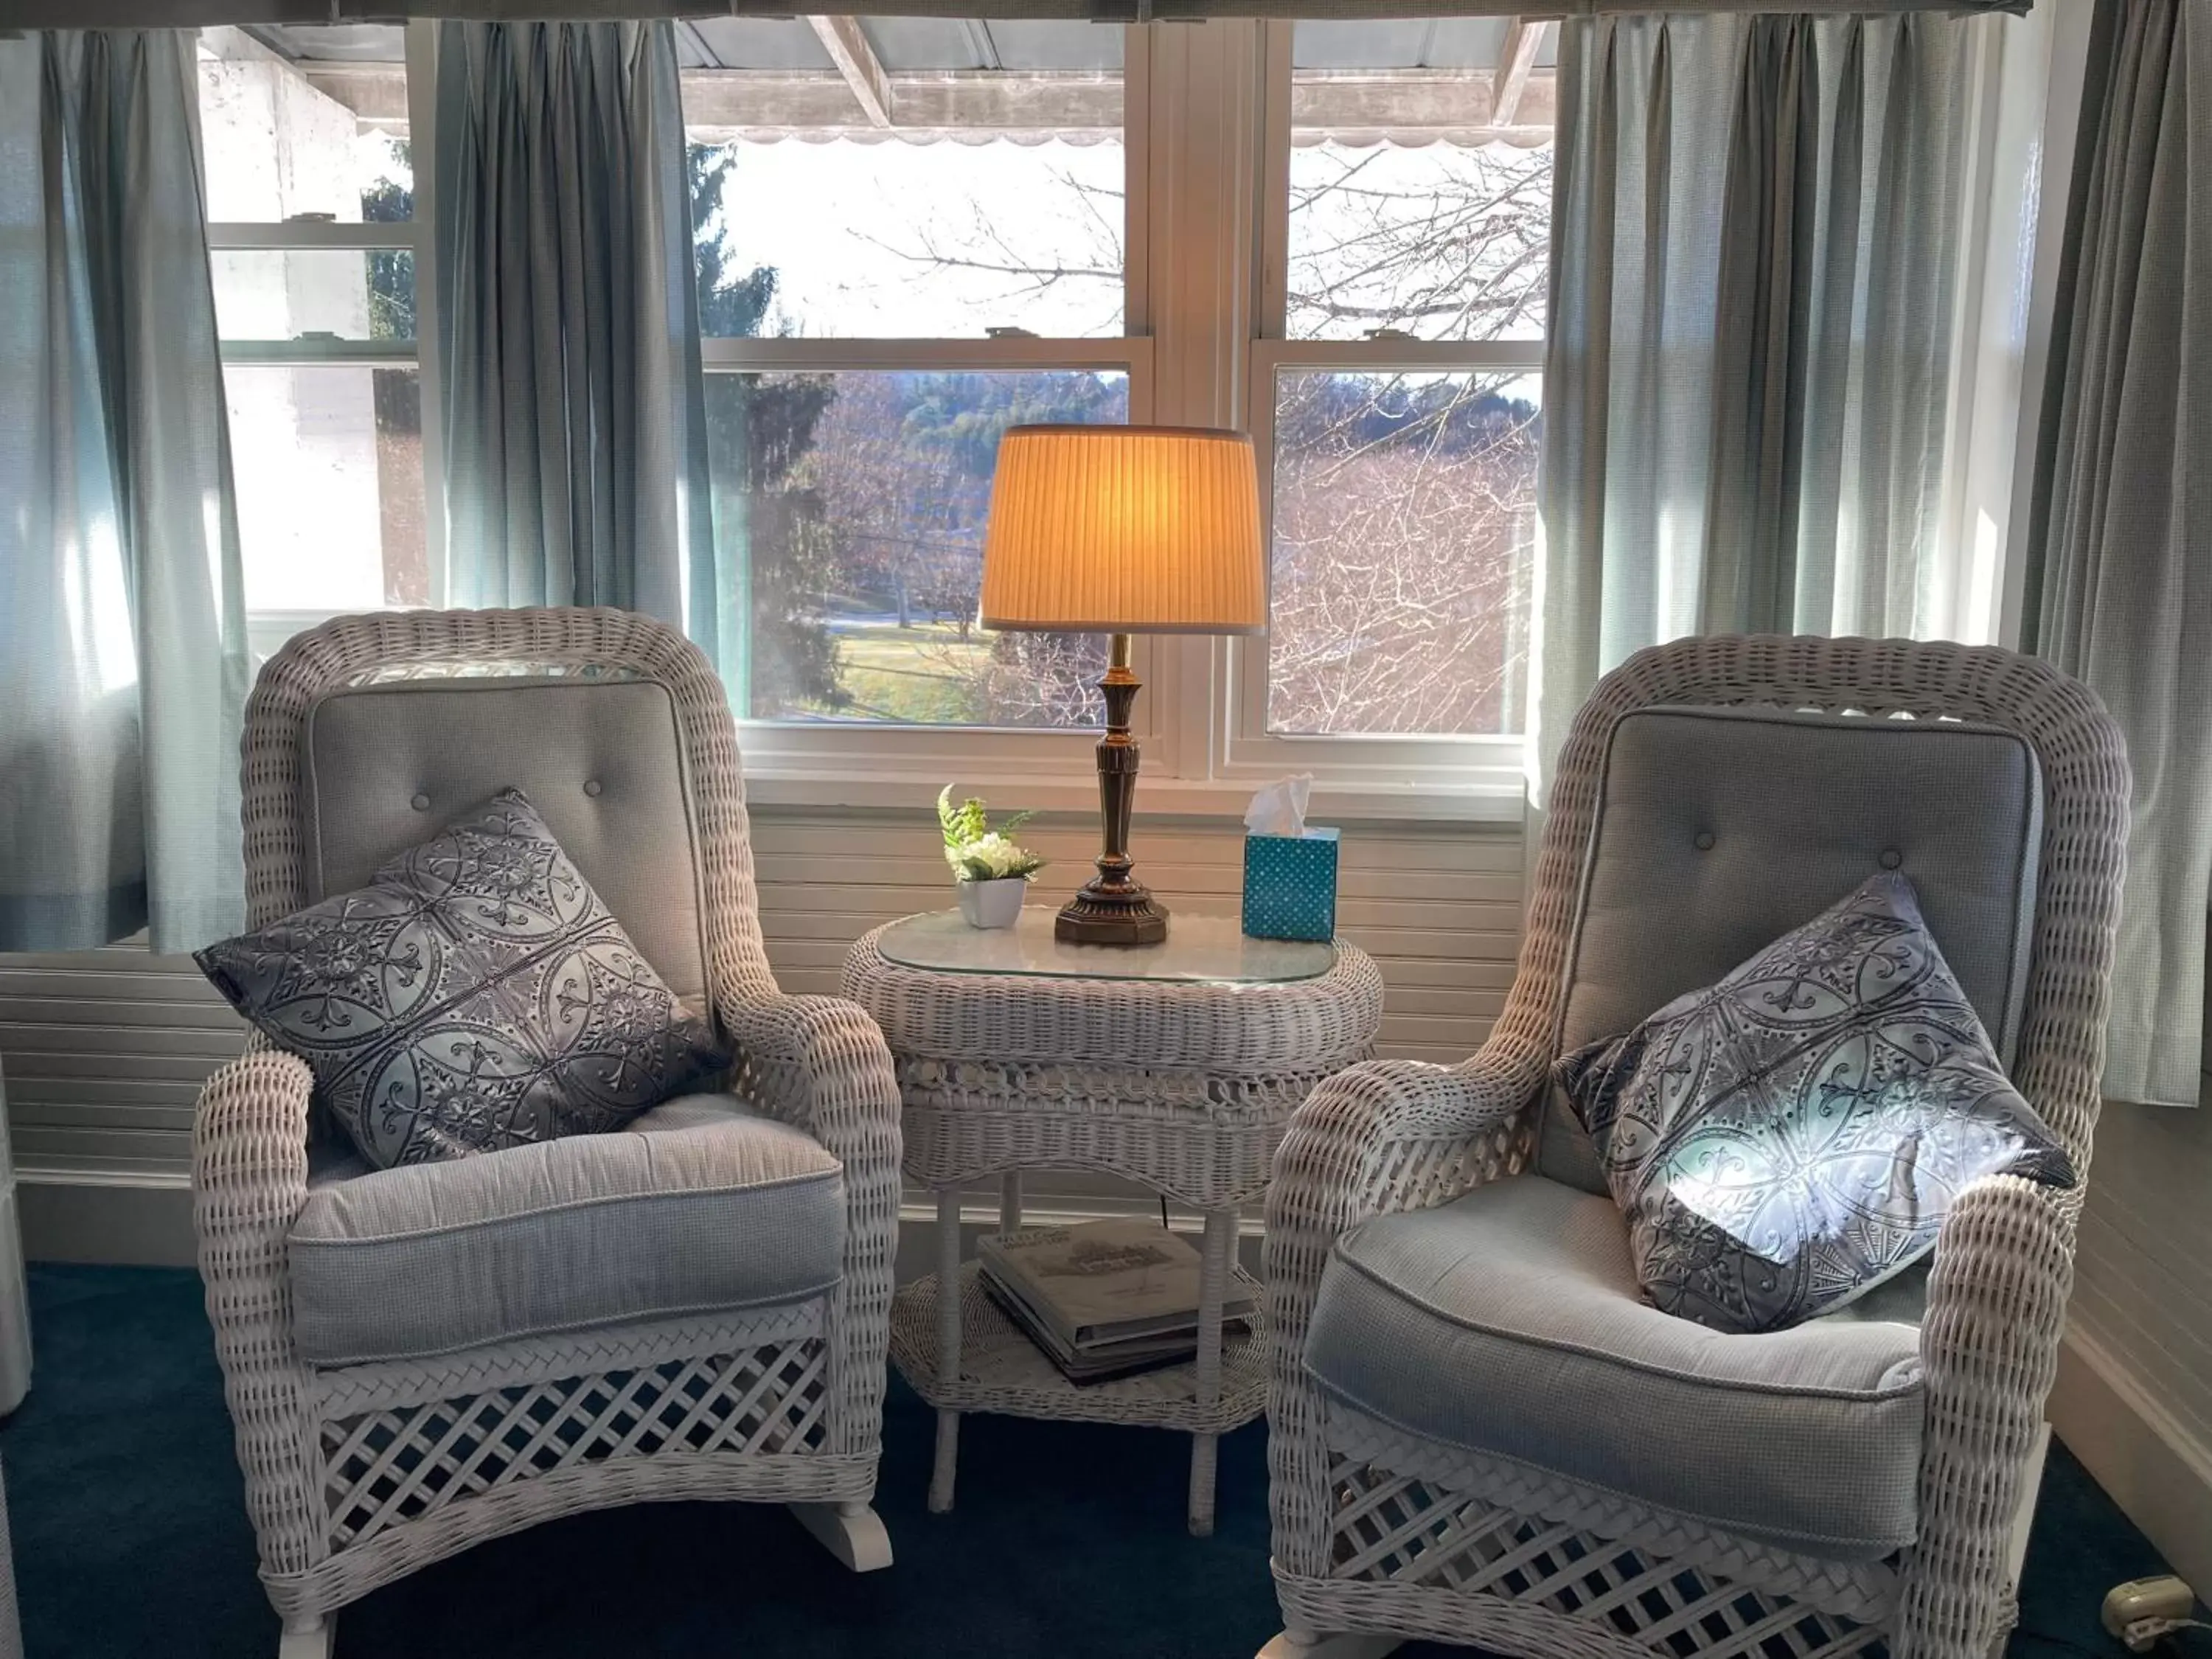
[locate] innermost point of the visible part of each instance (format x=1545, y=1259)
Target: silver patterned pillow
x=475, y=995
x=1786, y=1140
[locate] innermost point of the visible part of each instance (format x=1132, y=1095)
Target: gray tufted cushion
x=386, y=765
x=702, y=1204
x=1720, y=830
x=1509, y=1323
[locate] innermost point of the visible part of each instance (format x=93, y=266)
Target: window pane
x=305, y=122
x=346, y=293
x=329, y=465
x=855, y=240
x=827, y=211
x=1417, y=204
x=1405, y=537
x=856, y=503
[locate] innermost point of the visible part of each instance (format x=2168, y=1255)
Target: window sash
x=1489, y=764
x=267, y=629
x=873, y=763
x=1467, y=762
x=877, y=747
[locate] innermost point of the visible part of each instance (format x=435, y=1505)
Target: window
x=314, y=249
x=875, y=318
x=1398, y=405
x=911, y=233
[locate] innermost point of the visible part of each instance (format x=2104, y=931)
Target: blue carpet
x=130, y=1538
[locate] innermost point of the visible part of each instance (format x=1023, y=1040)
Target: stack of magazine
x=1106, y=1298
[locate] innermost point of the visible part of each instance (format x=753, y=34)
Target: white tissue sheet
x=1280, y=808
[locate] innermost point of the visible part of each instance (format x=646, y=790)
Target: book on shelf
x=1100, y=1363
x=1105, y=1298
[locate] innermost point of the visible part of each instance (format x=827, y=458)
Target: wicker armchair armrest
x=1384, y=1136
x=821, y=1063
x=1396, y=1135
x=249, y=1182
x=1996, y=1305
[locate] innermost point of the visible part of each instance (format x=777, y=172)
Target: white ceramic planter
x=992, y=904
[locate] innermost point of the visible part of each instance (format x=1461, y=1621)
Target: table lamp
x=1122, y=530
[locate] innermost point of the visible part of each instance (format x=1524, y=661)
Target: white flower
x=996, y=853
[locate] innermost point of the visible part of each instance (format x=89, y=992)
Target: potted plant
x=992, y=871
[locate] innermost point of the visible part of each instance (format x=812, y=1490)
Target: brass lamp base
x=1111, y=909
x=1092, y=917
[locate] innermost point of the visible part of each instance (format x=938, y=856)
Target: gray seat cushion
x=701, y=1204
x=1508, y=1323
x=1721, y=830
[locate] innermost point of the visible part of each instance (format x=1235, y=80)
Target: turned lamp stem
x=1111, y=909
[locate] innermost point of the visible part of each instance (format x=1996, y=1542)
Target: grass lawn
x=916, y=673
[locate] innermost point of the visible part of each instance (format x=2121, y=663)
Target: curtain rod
x=192, y=13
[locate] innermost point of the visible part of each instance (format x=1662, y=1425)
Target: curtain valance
x=189, y=14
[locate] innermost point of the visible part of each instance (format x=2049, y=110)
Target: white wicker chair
x=1381, y=1534
x=358, y=1475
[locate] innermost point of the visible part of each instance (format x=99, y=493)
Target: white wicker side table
x=1176, y=1065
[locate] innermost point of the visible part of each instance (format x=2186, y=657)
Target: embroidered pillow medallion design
x=1786, y=1140
x=475, y=995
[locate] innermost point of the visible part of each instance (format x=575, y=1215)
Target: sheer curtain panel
x=1755, y=239
x=123, y=656
x=2119, y=573
x=575, y=429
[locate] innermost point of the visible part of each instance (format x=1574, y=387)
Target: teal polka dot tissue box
x=1290, y=885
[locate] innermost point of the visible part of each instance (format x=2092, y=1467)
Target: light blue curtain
x=2120, y=575
x=1756, y=232
x=575, y=432
x=123, y=656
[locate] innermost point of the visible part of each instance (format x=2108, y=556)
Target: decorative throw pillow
x=1787, y=1139
x=475, y=995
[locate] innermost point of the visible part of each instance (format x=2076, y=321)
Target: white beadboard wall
x=2134, y=1399
x=104, y=1051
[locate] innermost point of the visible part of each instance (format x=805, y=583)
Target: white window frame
x=1205, y=138
x=1478, y=766
x=266, y=630
x=863, y=763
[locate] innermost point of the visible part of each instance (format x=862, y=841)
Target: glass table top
x=1198, y=949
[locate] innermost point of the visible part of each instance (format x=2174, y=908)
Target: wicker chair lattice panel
x=1396, y=1529
x=385, y=1468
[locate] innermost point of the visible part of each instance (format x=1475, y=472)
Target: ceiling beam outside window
x=846, y=42
x=1452, y=105
x=1516, y=57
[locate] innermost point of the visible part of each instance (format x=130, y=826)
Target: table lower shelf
x=1002, y=1371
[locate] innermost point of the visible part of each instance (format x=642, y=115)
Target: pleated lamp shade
x=1124, y=530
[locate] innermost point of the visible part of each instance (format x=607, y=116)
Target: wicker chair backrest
x=1718, y=830
x=2058, y=1032
x=370, y=733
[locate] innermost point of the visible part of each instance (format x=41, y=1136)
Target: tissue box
x=1290, y=885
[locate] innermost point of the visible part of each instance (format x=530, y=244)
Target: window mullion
x=728, y=354
x=1203, y=142
x=423, y=144
x=310, y=235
